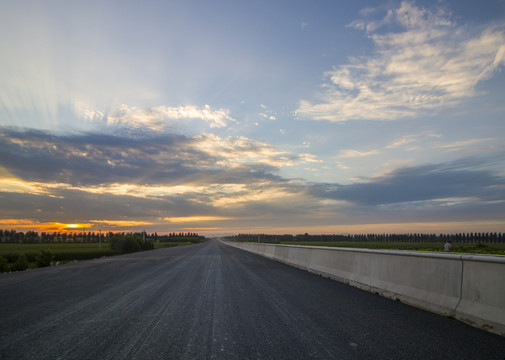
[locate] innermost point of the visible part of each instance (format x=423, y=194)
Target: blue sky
x=253, y=116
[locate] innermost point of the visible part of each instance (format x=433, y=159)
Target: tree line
x=478, y=237
x=181, y=234
x=181, y=237
x=33, y=237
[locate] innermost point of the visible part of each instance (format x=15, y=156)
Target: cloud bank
x=92, y=159
x=173, y=182
x=446, y=183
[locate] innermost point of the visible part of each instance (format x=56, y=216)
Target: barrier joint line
x=460, y=285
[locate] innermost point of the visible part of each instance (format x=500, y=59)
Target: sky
x=267, y=116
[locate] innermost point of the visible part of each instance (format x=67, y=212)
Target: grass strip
x=473, y=248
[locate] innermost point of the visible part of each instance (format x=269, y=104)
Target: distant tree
x=45, y=258
x=21, y=263
x=126, y=243
x=4, y=266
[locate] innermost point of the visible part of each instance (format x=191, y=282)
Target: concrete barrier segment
x=483, y=294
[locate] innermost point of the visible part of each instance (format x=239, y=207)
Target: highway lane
x=210, y=301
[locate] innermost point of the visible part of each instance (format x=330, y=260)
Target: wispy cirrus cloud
x=432, y=63
x=186, y=219
x=356, y=153
x=470, y=143
x=436, y=141
x=237, y=151
x=411, y=139
x=158, y=118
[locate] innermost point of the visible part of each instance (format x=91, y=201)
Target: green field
x=61, y=251
x=64, y=252
x=496, y=249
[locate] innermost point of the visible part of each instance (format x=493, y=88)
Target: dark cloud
x=232, y=178
x=459, y=179
x=74, y=205
x=92, y=159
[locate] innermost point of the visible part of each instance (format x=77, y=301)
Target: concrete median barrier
x=483, y=292
x=470, y=288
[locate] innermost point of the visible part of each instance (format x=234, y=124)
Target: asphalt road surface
x=210, y=301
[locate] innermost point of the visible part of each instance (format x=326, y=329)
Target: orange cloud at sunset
x=27, y=225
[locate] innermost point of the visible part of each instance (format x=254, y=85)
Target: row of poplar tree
x=480, y=237
x=33, y=237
